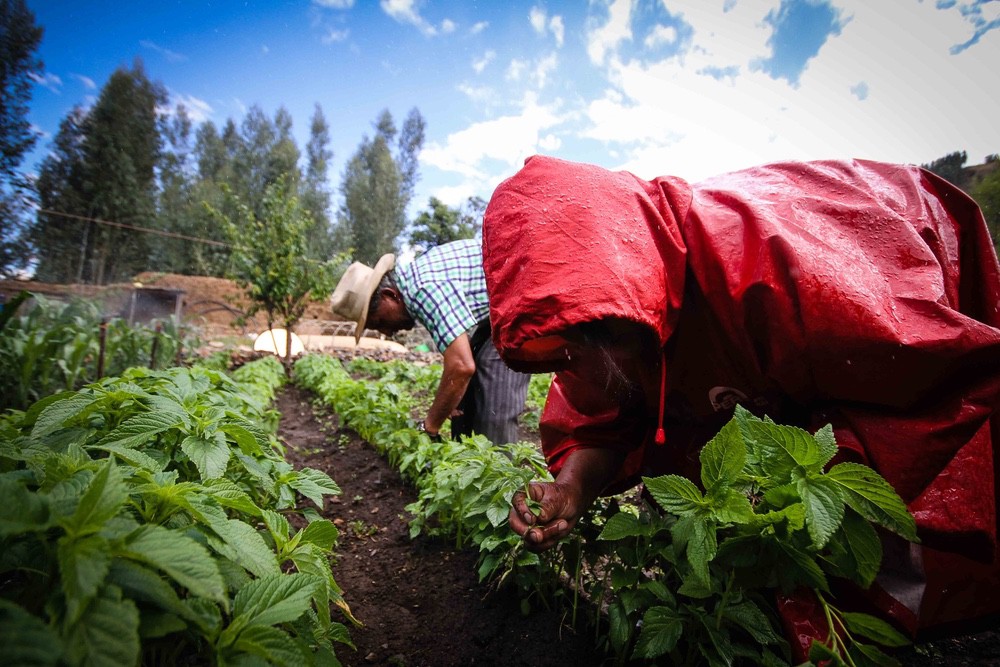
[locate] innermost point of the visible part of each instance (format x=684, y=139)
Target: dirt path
x=419, y=600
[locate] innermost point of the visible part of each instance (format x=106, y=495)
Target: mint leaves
x=770, y=517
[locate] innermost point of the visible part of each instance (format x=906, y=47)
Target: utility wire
x=123, y=225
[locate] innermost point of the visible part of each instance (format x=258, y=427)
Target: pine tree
x=377, y=187
x=62, y=243
x=315, y=194
x=20, y=38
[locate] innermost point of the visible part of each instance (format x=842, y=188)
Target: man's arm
x=459, y=367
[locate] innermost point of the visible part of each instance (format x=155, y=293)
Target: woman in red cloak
x=855, y=293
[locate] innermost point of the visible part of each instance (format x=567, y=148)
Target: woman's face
x=600, y=355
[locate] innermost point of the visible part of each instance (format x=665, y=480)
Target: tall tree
x=266, y=153
x=214, y=155
x=377, y=187
x=19, y=41
x=209, y=151
x=315, y=193
x=411, y=140
x=443, y=224
x=122, y=147
x=174, y=196
x=283, y=162
x=119, y=146
x=60, y=241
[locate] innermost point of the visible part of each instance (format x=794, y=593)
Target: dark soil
x=420, y=600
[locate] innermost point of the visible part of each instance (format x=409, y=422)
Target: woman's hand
x=584, y=475
x=561, y=507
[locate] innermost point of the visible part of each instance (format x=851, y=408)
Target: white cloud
x=479, y=64
x=478, y=94
x=859, y=97
x=516, y=68
x=535, y=73
x=542, y=24
x=549, y=143
x=87, y=82
x=405, y=11
x=884, y=88
x=605, y=38
x=478, y=27
x=543, y=68
x=333, y=36
x=334, y=4
x=47, y=80
x=507, y=140
x=660, y=35
x=198, y=110
x=170, y=56
x=984, y=17
x=537, y=19
x=558, y=30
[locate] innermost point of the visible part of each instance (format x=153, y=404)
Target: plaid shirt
x=444, y=289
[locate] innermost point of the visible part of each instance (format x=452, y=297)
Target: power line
x=123, y=225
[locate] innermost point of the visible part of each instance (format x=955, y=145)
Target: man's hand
x=458, y=369
x=561, y=507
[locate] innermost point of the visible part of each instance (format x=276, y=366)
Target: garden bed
x=420, y=600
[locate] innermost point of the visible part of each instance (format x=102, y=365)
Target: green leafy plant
x=767, y=518
x=148, y=522
x=538, y=391
x=47, y=346
x=691, y=581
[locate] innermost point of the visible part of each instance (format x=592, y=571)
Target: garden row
x=151, y=519
x=692, y=580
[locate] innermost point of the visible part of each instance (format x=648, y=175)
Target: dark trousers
x=495, y=396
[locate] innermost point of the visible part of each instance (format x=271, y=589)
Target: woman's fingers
x=551, y=519
x=518, y=513
x=540, y=538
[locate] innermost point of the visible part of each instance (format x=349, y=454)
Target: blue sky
x=689, y=88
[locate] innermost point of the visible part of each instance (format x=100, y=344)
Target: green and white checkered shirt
x=444, y=289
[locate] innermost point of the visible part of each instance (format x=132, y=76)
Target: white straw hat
x=354, y=291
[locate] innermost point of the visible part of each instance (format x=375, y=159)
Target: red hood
x=546, y=218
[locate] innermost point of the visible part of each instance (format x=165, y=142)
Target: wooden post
x=156, y=345
x=103, y=338
x=180, y=344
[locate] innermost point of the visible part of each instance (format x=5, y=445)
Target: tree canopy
x=128, y=185
x=20, y=38
x=113, y=151
x=442, y=224
x=268, y=256
x=377, y=187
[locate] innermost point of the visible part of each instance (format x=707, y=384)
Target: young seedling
x=534, y=506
